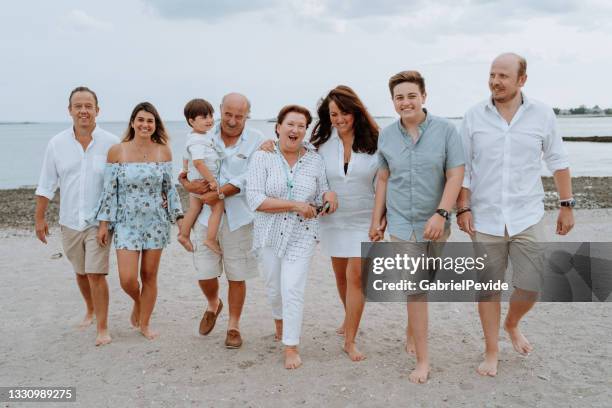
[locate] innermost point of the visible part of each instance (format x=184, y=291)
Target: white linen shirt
x=78, y=173
x=234, y=166
x=503, y=164
x=288, y=233
x=355, y=189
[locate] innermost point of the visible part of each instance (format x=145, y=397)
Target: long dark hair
x=366, y=129
x=159, y=136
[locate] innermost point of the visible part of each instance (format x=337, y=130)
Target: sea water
x=22, y=145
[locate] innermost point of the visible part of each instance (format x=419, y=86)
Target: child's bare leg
x=195, y=206
x=214, y=221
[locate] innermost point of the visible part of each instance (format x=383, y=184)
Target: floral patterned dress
x=132, y=202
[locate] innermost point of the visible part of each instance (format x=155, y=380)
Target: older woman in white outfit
x=287, y=188
x=346, y=137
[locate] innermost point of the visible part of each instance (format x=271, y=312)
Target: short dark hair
x=292, y=108
x=407, y=76
x=82, y=89
x=197, y=107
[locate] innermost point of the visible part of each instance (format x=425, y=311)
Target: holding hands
x=377, y=230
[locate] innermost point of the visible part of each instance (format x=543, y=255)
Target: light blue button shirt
x=234, y=166
x=417, y=172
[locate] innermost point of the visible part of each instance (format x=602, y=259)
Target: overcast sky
x=293, y=51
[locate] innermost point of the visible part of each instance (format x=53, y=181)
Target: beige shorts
x=417, y=250
x=83, y=251
x=238, y=260
x=524, y=250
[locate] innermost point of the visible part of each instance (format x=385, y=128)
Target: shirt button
x=306, y=227
x=281, y=233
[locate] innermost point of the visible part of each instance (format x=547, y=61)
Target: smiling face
x=342, y=121
x=143, y=125
x=505, y=82
x=408, y=102
x=83, y=109
x=291, y=131
x=234, y=114
x=202, y=124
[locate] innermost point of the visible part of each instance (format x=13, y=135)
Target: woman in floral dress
x=139, y=202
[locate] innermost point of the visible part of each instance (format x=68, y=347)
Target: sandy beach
x=41, y=306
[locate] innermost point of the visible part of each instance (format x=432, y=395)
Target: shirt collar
x=218, y=140
x=422, y=126
x=93, y=134
x=491, y=105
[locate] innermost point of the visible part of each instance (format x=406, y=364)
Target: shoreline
x=17, y=205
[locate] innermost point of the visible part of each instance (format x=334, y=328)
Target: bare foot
x=103, y=338
x=520, y=342
x=410, y=346
x=87, y=321
x=135, y=317
x=292, y=358
x=340, y=330
x=278, y=335
x=488, y=366
x=185, y=242
x=353, y=353
x=148, y=332
x=420, y=374
x=213, y=246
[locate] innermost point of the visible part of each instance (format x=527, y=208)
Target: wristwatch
x=570, y=202
x=221, y=196
x=443, y=213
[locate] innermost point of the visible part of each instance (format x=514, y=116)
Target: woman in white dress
x=346, y=136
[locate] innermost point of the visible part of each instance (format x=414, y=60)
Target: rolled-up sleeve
x=109, y=200
x=555, y=156
x=466, y=141
x=256, y=180
x=198, y=151
x=455, y=156
x=49, y=178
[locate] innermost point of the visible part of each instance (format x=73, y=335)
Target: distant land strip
x=600, y=139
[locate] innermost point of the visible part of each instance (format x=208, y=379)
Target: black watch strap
x=443, y=213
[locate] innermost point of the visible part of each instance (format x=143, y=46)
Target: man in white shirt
x=236, y=232
x=501, y=203
x=74, y=161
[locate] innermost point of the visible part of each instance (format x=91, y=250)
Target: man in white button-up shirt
x=74, y=161
x=501, y=203
x=236, y=232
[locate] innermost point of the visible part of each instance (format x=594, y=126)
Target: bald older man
x=501, y=203
x=235, y=234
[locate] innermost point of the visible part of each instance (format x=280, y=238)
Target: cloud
x=82, y=21
x=442, y=17
x=208, y=10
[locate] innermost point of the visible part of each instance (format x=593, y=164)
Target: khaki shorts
x=83, y=251
x=238, y=260
x=524, y=250
x=423, y=248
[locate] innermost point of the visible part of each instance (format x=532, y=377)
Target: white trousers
x=285, y=284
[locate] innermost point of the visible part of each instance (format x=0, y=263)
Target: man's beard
x=502, y=99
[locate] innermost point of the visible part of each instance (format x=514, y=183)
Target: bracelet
x=463, y=210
